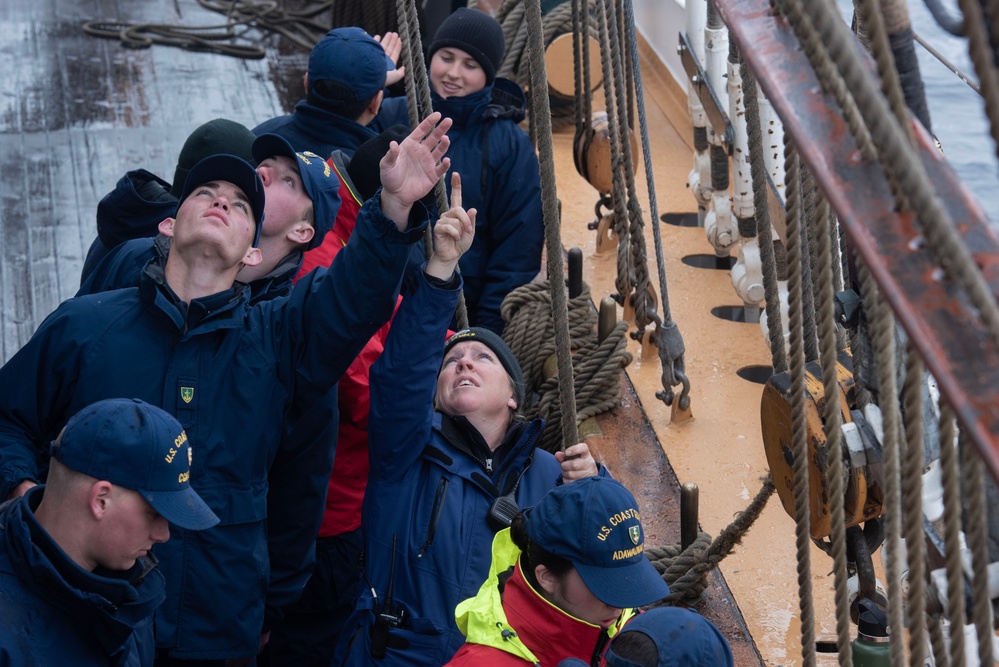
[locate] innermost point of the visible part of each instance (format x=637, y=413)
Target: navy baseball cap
x=137, y=446
x=351, y=57
x=594, y=523
x=683, y=638
x=321, y=182
x=232, y=169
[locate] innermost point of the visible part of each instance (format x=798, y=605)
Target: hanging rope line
x=243, y=18
x=541, y=121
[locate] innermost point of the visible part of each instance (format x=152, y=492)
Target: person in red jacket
x=308, y=633
x=566, y=577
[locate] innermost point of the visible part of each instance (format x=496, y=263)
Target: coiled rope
x=530, y=332
x=596, y=370
x=300, y=27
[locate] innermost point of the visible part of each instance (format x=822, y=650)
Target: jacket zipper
x=598, y=651
x=435, y=515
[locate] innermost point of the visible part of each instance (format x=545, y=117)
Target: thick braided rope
x=951, y=518
x=672, y=562
x=832, y=424
x=825, y=311
x=882, y=324
x=808, y=286
x=977, y=535
x=541, y=120
x=623, y=280
x=696, y=569
x=905, y=168
x=761, y=210
x=641, y=300
x=799, y=431
x=875, y=17
x=980, y=50
x=530, y=332
x=596, y=383
x=912, y=503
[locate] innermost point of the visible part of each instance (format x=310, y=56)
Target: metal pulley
x=860, y=448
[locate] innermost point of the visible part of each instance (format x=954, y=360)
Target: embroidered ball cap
x=476, y=33
x=138, y=446
x=321, y=182
x=594, y=523
x=502, y=351
x=216, y=136
x=232, y=169
x=683, y=638
x=350, y=57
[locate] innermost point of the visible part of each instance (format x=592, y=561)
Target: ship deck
x=77, y=112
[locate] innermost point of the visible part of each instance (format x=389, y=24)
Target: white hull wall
x=660, y=23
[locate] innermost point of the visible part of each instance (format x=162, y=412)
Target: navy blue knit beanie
x=476, y=33
x=502, y=351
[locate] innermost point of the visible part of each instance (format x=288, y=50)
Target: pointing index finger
x=455, y=190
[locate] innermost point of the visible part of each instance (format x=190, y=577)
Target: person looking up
x=445, y=443
x=238, y=377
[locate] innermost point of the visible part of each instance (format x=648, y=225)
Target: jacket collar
x=112, y=601
x=317, y=121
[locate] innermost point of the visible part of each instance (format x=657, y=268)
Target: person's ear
x=99, y=498
x=166, y=227
x=253, y=257
x=546, y=579
x=512, y=403
x=376, y=103
x=301, y=233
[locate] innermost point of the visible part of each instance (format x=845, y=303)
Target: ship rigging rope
x=669, y=341
x=900, y=159
x=882, y=326
x=832, y=421
x=761, y=210
x=799, y=431
x=542, y=128
x=420, y=106
x=685, y=570
x=952, y=533
x=622, y=280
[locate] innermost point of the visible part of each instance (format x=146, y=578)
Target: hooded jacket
x=55, y=613
x=501, y=180
x=428, y=495
x=240, y=379
x=139, y=202
x=509, y=624
x=313, y=128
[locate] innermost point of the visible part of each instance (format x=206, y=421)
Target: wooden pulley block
x=592, y=153
x=863, y=495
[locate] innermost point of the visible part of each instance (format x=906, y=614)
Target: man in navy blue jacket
x=348, y=70
x=187, y=339
x=77, y=583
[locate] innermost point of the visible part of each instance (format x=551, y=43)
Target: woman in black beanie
x=497, y=163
